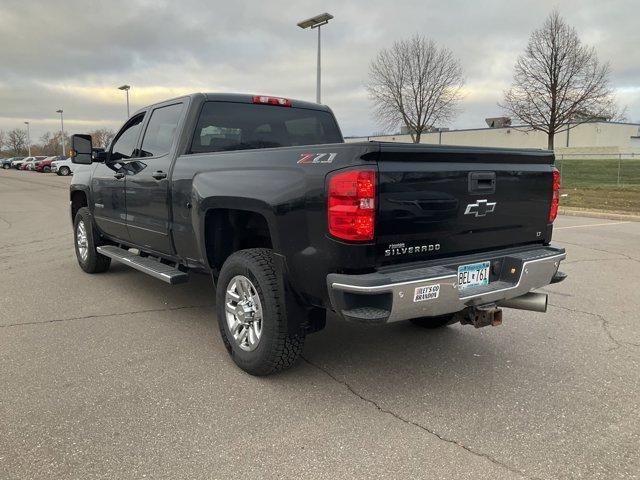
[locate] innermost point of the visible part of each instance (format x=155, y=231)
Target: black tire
x=46, y=169
x=94, y=262
x=64, y=171
x=6, y=166
x=276, y=349
x=433, y=322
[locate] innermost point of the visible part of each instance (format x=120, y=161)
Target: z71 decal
x=317, y=157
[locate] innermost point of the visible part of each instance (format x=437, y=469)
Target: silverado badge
x=402, y=249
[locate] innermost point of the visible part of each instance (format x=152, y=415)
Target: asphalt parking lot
x=121, y=376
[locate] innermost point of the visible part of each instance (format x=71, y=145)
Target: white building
x=599, y=137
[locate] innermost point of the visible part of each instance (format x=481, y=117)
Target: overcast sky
x=73, y=54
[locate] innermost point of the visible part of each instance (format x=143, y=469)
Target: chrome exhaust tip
x=535, y=302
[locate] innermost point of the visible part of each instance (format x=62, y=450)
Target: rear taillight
x=282, y=102
x=555, y=199
x=351, y=205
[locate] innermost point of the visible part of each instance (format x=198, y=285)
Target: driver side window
x=125, y=145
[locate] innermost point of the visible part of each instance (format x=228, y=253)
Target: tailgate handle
x=482, y=182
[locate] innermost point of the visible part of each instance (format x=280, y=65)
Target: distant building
x=404, y=130
x=590, y=137
x=495, y=122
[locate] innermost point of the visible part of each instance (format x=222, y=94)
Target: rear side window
x=161, y=130
x=224, y=126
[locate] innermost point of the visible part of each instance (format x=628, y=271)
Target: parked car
x=19, y=161
x=45, y=165
x=291, y=223
x=63, y=167
x=32, y=165
x=6, y=162
x=28, y=163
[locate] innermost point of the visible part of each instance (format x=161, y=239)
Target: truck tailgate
x=443, y=201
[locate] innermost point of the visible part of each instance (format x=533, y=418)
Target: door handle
x=482, y=182
x=118, y=175
x=159, y=175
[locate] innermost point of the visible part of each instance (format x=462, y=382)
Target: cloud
x=73, y=54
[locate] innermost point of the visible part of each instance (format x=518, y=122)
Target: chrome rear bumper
x=388, y=295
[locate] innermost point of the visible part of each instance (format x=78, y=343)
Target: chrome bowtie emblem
x=480, y=208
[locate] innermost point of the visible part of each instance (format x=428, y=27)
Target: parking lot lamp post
x=317, y=22
x=62, y=130
x=126, y=88
x=28, y=138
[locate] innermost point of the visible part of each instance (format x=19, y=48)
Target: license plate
x=473, y=275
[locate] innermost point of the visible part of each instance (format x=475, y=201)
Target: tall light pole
x=61, y=130
x=317, y=22
x=28, y=137
x=126, y=89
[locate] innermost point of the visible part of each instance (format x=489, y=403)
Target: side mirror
x=81, y=149
x=99, y=155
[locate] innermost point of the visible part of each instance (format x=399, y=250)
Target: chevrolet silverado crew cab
x=263, y=194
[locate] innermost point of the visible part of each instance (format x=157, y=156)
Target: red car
x=28, y=164
x=45, y=165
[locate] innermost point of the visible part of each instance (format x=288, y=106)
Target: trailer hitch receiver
x=480, y=316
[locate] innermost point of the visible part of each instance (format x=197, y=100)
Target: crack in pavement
x=418, y=425
x=6, y=221
x=101, y=315
x=603, y=322
x=565, y=262
x=623, y=255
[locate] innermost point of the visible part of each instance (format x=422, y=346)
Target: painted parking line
x=591, y=225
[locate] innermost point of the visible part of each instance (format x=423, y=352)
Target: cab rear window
x=225, y=126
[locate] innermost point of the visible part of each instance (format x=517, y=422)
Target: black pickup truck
x=263, y=194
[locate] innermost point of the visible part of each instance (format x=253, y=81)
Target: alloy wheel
x=243, y=311
x=81, y=241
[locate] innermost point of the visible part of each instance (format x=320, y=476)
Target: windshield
x=224, y=126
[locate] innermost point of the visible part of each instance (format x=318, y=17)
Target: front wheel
x=86, y=241
x=433, y=322
x=251, y=314
x=64, y=171
x=46, y=169
x=6, y=166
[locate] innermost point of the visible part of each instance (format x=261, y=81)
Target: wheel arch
x=78, y=199
x=226, y=229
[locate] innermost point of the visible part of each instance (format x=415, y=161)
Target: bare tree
x=558, y=82
x=3, y=139
x=51, y=144
x=415, y=83
x=102, y=137
x=17, y=141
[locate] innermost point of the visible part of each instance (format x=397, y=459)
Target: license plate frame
x=473, y=275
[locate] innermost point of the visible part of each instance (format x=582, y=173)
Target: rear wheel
x=64, y=171
x=86, y=241
x=251, y=314
x=433, y=322
x=46, y=169
x=6, y=166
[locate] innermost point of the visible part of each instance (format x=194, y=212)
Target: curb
x=574, y=212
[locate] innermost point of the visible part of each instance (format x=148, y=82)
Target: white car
x=16, y=163
x=30, y=163
x=29, y=160
x=63, y=167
